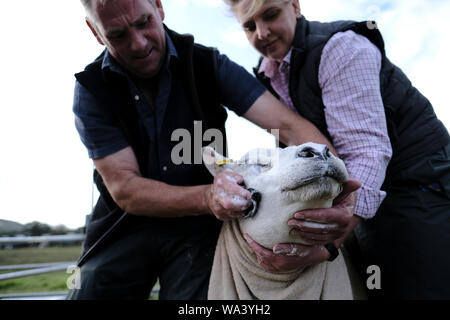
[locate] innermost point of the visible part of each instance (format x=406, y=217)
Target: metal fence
x=42, y=239
x=27, y=270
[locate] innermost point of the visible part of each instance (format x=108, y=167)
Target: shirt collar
x=113, y=65
x=270, y=67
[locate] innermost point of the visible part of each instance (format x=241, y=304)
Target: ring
x=293, y=251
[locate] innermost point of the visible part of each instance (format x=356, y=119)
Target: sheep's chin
x=322, y=188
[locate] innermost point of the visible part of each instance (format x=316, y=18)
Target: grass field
x=54, y=281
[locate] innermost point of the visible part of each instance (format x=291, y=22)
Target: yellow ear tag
x=222, y=162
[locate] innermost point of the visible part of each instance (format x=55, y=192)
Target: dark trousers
x=409, y=238
x=178, y=252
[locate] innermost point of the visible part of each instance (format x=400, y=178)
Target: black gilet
x=199, y=72
x=413, y=127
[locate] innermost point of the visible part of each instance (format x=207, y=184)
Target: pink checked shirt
x=349, y=79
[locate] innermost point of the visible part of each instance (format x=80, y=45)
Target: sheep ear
x=215, y=162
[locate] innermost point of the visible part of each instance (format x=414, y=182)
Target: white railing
x=42, y=239
x=40, y=268
x=36, y=268
x=33, y=269
x=56, y=295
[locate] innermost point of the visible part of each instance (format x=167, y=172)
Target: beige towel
x=237, y=275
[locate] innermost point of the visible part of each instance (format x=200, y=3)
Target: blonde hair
x=252, y=6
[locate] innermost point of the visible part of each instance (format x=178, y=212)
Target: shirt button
x=164, y=168
x=136, y=97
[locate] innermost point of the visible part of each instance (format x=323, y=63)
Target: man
x=155, y=219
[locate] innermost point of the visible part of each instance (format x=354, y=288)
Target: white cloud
x=44, y=172
x=180, y=3
x=210, y=3
x=417, y=42
x=201, y=3
x=236, y=38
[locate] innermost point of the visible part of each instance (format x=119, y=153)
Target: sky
x=45, y=173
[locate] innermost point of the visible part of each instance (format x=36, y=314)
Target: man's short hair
x=87, y=4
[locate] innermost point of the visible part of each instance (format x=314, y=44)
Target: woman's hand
x=322, y=226
x=289, y=256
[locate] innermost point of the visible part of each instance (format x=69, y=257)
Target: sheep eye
x=306, y=154
x=265, y=166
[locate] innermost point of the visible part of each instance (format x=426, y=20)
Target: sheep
x=282, y=181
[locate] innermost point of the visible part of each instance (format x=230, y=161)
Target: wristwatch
x=334, y=252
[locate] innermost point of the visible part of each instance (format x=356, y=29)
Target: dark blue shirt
x=102, y=136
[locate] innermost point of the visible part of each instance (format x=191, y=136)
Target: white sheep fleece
x=289, y=179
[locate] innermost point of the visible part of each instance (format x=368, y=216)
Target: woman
x=337, y=76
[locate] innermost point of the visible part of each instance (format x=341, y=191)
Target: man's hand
x=340, y=219
x=226, y=198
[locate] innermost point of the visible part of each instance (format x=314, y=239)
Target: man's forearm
x=300, y=131
x=147, y=197
x=142, y=196
x=269, y=113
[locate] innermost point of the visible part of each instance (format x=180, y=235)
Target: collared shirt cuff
x=368, y=202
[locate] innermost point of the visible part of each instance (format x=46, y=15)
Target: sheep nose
x=326, y=152
x=309, y=152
